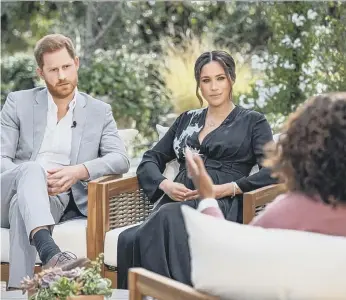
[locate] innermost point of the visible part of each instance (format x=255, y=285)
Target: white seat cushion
x=253, y=263
x=111, y=245
x=69, y=236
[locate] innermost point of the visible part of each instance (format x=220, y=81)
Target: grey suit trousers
x=25, y=205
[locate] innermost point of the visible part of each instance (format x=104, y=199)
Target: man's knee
x=14, y=211
x=32, y=167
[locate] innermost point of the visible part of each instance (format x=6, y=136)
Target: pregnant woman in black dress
x=230, y=140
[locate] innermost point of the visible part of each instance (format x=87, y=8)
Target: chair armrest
x=260, y=197
x=146, y=283
x=106, y=178
x=96, y=224
x=126, y=203
x=113, y=202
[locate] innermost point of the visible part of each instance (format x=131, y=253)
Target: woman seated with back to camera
x=229, y=139
x=311, y=159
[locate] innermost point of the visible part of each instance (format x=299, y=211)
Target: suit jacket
x=95, y=139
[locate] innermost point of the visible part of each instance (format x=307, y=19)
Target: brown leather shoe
x=66, y=261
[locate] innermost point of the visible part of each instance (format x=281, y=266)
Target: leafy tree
x=299, y=46
x=299, y=61
x=25, y=22
x=330, y=48
x=132, y=84
x=138, y=26
x=17, y=72
x=242, y=26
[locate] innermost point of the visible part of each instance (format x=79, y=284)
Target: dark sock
x=45, y=245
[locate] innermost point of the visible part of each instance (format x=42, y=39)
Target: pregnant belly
x=217, y=176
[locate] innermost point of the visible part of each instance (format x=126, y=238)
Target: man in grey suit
x=53, y=141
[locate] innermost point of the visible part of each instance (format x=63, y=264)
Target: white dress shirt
x=56, y=145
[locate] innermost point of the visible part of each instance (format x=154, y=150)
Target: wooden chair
x=88, y=228
x=145, y=283
x=115, y=202
x=120, y=202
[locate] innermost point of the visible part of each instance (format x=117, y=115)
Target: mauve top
x=299, y=212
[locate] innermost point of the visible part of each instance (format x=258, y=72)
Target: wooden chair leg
x=249, y=208
x=146, y=283
x=112, y=275
x=135, y=293
x=5, y=272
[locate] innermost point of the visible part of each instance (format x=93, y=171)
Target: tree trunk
x=88, y=50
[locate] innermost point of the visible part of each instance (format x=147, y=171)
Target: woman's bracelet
x=233, y=185
x=235, y=189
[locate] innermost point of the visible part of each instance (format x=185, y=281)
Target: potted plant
x=79, y=283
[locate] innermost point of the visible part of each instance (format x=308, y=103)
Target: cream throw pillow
x=243, y=262
x=172, y=168
x=128, y=136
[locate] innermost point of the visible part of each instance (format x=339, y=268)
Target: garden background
x=139, y=55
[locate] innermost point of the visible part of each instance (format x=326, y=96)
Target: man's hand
x=61, y=179
x=201, y=179
x=176, y=191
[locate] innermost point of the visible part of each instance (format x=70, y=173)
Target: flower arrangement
x=55, y=283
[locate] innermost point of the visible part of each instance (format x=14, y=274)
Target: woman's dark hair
x=311, y=154
x=223, y=58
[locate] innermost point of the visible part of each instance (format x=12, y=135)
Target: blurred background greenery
x=139, y=55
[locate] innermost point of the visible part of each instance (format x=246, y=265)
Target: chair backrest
x=116, y=203
x=144, y=283
x=119, y=202
x=127, y=203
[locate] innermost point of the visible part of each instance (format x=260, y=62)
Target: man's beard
x=63, y=89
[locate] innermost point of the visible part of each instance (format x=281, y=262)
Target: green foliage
x=60, y=289
x=137, y=25
x=300, y=60
x=57, y=284
x=179, y=71
x=138, y=96
x=131, y=83
x=330, y=49
x=25, y=22
x=289, y=50
x=299, y=45
x=242, y=25
x=93, y=283
x=17, y=72
x=149, y=21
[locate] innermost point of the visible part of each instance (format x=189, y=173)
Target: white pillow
x=255, y=168
x=243, y=262
x=276, y=137
x=172, y=168
x=128, y=136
